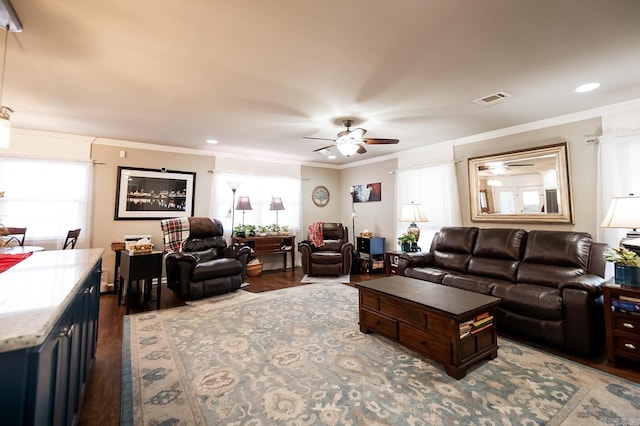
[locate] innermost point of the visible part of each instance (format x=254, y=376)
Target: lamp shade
x=276, y=204
x=413, y=213
x=244, y=204
x=624, y=212
x=233, y=185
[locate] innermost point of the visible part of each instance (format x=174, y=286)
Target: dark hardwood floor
x=101, y=405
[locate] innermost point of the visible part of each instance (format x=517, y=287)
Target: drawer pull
x=630, y=346
x=627, y=325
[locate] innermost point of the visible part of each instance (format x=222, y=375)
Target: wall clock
x=320, y=196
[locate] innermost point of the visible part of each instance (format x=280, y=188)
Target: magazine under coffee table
x=453, y=326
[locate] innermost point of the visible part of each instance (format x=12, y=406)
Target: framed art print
x=147, y=194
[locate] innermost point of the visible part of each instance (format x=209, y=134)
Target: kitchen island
x=49, y=305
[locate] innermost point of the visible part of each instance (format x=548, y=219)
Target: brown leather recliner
x=333, y=257
x=206, y=266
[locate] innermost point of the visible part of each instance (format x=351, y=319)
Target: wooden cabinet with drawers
x=621, y=322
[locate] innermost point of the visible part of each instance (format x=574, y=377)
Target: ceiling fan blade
x=324, y=147
x=361, y=149
x=379, y=141
x=319, y=139
x=357, y=133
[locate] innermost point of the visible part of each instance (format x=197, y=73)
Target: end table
x=137, y=267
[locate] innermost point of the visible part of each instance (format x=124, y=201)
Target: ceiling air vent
x=494, y=98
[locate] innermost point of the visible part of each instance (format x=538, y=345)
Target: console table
x=271, y=244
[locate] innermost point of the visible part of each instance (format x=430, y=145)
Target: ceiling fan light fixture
x=347, y=148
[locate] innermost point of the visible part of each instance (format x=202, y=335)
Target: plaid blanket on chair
x=315, y=234
x=174, y=232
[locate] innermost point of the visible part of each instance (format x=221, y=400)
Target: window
x=47, y=197
x=435, y=188
x=259, y=189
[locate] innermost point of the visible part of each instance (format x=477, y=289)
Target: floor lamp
x=233, y=186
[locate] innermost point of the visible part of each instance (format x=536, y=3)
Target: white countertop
x=35, y=293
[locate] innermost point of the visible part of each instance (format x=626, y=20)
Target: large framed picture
x=147, y=194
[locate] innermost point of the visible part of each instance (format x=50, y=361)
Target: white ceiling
x=260, y=75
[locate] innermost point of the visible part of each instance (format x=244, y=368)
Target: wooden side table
x=622, y=326
x=137, y=267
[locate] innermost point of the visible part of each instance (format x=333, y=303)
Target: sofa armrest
x=589, y=283
x=237, y=251
x=412, y=260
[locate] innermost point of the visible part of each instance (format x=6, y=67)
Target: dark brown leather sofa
x=549, y=281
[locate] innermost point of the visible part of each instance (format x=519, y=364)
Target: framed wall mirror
x=522, y=186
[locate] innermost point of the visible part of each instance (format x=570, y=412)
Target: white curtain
x=618, y=175
x=434, y=187
x=259, y=189
x=48, y=198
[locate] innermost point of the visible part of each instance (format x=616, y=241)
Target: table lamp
x=276, y=204
x=624, y=212
x=243, y=204
x=413, y=213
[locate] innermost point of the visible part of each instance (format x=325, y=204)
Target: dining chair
x=13, y=234
x=72, y=239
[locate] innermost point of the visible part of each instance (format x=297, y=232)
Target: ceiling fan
x=350, y=142
x=500, y=167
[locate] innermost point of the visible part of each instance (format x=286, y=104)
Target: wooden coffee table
x=430, y=319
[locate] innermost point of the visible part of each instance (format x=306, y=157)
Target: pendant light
x=5, y=112
x=9, y=19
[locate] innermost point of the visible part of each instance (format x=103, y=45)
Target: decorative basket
x=254, y=269
x=141, y=248
x=366, y=234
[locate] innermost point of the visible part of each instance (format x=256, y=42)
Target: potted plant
x=250, y=230
x=274, y=228
x=405, y=241
x=239, y=231
x=285, y=229
x=262, y=230
x=626, y=264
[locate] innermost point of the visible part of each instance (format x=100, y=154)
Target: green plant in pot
x=405, y=241
x=262, y=230
x=240, y=231
x=250, y=230
x=626, y=264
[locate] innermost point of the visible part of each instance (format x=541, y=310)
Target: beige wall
x=376, y=216
x=582, y=165
x=104, y=228
x=312, y=177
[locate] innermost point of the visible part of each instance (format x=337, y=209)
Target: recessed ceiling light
x=331, y=157
x=587, y=87
x=212, y=141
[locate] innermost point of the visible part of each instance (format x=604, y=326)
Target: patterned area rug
x=344, y=279
x=296, y=356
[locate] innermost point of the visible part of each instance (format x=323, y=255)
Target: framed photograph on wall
x=147, y=194
x=366, y=193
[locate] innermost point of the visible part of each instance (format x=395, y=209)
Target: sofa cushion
x=469, y=282
x=455, y=239
x=326, y=257
x=330, y=245
x=453, y=261
x=559, y=248
x=427, y=274
x=500, y=243
x=493, y=268
x=534, y=301
x=216, y=268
